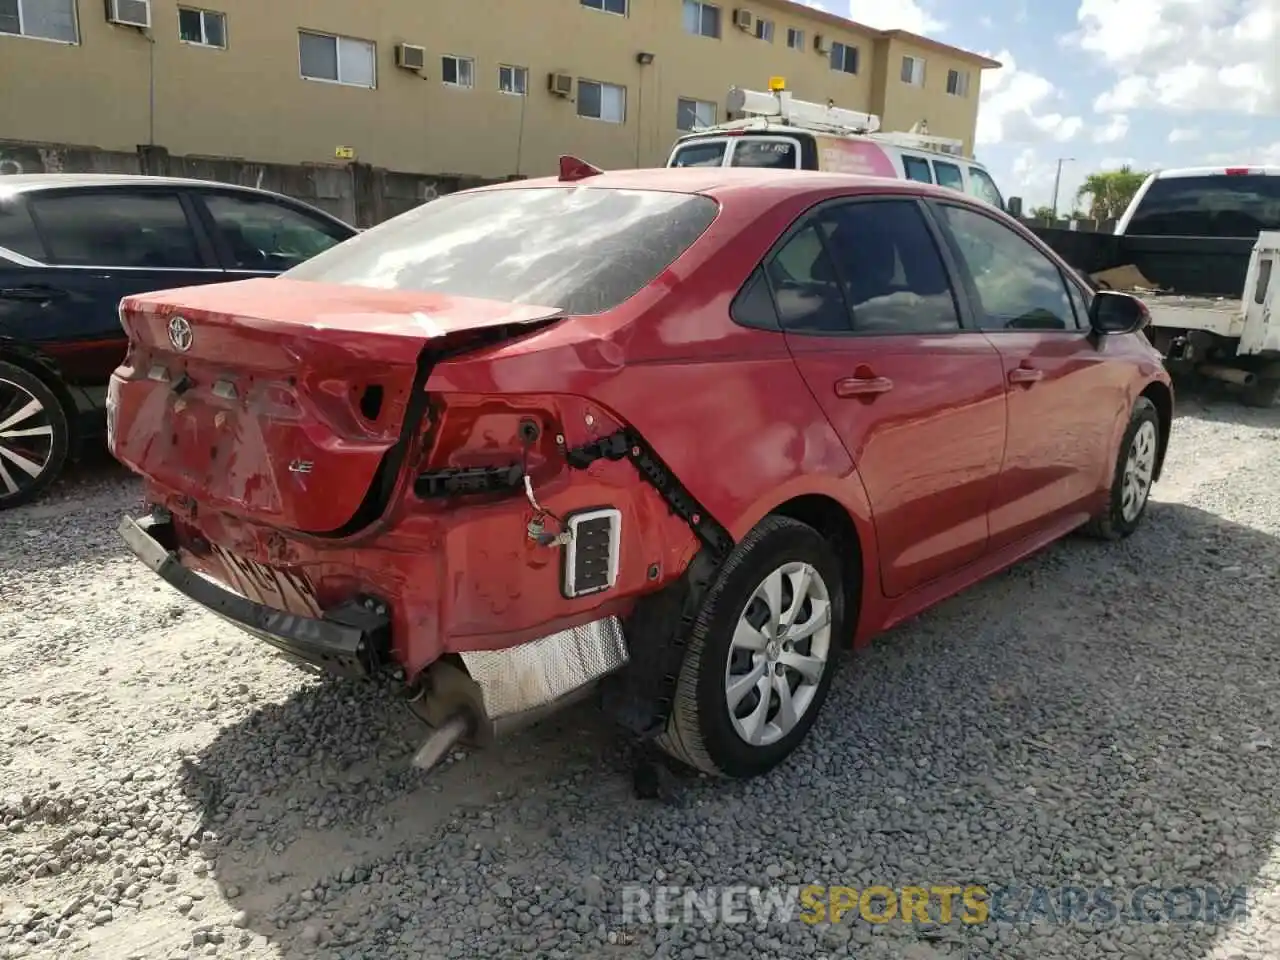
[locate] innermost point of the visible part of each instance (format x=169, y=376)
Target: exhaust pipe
x=1234, y=375
x=441, y=741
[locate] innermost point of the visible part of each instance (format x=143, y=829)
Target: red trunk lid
x=284, y=400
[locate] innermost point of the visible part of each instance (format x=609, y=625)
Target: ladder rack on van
x=921, y=141
x=779, y=106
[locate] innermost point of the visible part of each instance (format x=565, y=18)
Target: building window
x=602, y=101
x=618, y=7
x=694, y=114
x=458, y=71
x=344, y=60
x=958, y=83
x=204, y=28
x=844, y=58
x=764, y=30
x=701, y=19
x=795, y=38
x=913, y=71
x=41, y=19
x=513, y=80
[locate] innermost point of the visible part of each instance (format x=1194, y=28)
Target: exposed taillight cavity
x=371, y=402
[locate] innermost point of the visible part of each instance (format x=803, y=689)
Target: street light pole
x=1057, y=180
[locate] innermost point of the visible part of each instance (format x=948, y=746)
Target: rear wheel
x=34, y=436
x=1133, y=476
x=762, y=654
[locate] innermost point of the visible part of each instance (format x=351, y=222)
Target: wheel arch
x=836, y=524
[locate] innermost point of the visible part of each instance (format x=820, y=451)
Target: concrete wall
x=118, y=87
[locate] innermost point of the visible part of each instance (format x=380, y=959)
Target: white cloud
x=1183, y=135
x=1116, y=129
x=1032, y=177
x=1016, y=107
x=1250, y=156
x=1185, y=55
x=913, y=16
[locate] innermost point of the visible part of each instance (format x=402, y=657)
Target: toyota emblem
x=180, y=334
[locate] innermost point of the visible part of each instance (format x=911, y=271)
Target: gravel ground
x=1100, y=715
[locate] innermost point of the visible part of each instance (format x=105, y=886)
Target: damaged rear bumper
x=349, y=642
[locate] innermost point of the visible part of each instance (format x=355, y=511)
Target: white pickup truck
x=1200, y=246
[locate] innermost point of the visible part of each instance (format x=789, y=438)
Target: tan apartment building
x=487, y=88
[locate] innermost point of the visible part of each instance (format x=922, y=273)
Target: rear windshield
x=584, y=250
x=699, y=155
x=1217, y=205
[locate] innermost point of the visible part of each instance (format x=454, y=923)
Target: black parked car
x=71, y=246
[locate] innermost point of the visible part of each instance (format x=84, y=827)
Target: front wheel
x=1135, y=471
x=34, y=436
x=762, y=653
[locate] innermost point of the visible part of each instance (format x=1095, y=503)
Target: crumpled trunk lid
x=288, y=402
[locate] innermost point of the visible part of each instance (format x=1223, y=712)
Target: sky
x=1102, y=83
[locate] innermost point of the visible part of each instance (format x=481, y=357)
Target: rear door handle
x=39, y=294
x=863, y=386
x=1025, y=375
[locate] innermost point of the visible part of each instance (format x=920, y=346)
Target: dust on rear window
x=583, y=250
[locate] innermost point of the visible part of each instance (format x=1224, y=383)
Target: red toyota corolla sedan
x=675, y=438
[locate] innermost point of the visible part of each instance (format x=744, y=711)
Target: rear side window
x=116, y=229
x=775, y=154
x=699, y=155
x=1216, y=205
x=949, y=175
x=917, y=168
x=579, y=249
x=984, y=188
x=17, y=231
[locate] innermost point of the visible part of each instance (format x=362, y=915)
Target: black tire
x=1112, y=524
x=1261, y=393
x=700, y=731
x=19, y=388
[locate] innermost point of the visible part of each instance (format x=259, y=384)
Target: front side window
x=949, y=175
x=343, y=60
x=259, y=234
x=703, y=154
x=203, y=28
x=774, y=154
x=694, y=114
x=984, y=188
x=1217, y=205
x=578, y=249
x=602, y=101
x=42, y=19
x=894, y=277
x=844, y=58
x=1018, y=287
x=116, y=229
x=701, y=19
x=917, y=168
x=458, y=71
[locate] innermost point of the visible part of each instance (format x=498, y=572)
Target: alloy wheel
x=778, y=654
x=26, y=439
x=1139, y=467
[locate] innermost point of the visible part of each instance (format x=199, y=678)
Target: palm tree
x=1110, y=191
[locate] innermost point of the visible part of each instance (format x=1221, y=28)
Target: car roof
x=722, y=181
x=27, y=182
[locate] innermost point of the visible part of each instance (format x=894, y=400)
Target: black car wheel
x=1133, y=476
x=34, y=436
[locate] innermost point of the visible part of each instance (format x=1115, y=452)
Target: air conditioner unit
x=129, y=13
x=821, y=44
x=743, y=19
x=561, y=84
x=410, y=56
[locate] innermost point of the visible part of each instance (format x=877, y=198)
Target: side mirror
x=1013, y=206
x=1113, y=313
